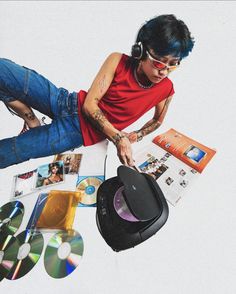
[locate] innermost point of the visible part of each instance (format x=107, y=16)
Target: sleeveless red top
x=124, y=102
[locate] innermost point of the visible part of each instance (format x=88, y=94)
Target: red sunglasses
x=161, y=65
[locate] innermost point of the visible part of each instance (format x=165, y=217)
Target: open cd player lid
x=141, y=198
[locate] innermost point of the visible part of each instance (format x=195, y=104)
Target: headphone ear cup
x=137, y=50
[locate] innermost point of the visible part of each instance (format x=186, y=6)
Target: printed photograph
x=194, y=153
x=183, y=183
x=182, y=172
x=148, y=165
x=169, y=181
x=49, y=174
x=158, y=171
x=71, y=162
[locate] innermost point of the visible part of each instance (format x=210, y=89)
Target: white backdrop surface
x=67, y=42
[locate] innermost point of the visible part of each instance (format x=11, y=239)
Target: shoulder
x=114, y=58
x=115, y=55
x=168, y=81
x=169, y=88
x=119, y=62
x=111, y=62
x=46, y=182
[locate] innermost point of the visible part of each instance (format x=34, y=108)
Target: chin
x=156, y=80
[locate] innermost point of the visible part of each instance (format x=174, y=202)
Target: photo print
x=49, y=174
x=71, y=162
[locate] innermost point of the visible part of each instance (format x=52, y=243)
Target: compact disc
x=11, y=215
x=121, y=207
x=30, y=249
x=88, y=188
x=63, y=253
x=8, y=253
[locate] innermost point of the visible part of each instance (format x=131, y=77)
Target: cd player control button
x=103, y=211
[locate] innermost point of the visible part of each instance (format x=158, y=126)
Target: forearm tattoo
x=29, y=115
x=155, y=123
x=98, y=119
x=149, y=127
x=117, y=137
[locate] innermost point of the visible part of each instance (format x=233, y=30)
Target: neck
x=142, y=78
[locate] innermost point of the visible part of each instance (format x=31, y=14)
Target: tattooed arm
x=154, y=123
x=96, y=117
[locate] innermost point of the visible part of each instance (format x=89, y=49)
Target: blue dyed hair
x=166, y=35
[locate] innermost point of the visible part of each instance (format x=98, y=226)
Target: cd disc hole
x=64, y=250
x=24, y=251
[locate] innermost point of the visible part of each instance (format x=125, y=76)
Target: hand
x=124, y=152
x=133, y=137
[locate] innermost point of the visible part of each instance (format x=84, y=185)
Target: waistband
x=67, y=101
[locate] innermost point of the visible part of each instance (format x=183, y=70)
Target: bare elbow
x=85, y=109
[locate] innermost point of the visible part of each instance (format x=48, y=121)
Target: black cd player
x=130, y=208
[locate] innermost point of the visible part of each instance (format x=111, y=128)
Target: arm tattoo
x=96, y=100
x=167, y=102
x=154, y=123
x=30, y=115
x=149, y=127
x=98, y=119
x=102, y=84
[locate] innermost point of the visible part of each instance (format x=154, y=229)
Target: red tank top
x=124, y=102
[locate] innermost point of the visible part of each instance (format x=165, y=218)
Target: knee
x=8, y=155
x=4, y=69
x=4, y=62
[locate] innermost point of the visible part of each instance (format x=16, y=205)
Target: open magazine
x=174, y=161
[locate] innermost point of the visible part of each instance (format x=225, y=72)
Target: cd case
x=45, y=175
x=87, y=186
x=54, y=211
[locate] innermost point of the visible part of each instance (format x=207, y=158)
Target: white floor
x=67, y=42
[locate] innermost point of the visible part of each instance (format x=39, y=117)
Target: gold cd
x=88, y=188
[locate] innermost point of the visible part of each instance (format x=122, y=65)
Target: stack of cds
x=19, y=254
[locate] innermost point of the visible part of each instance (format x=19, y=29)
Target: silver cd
x=11, y=215
x=8, y=254
x=63, y=253
x=31, y=247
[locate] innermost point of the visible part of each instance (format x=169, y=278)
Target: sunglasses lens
x=158, y=64
x=171, y=68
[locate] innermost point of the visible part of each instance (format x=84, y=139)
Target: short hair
x=166, y=35
x=51, y=166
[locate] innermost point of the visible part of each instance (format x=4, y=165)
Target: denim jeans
x=26, y=85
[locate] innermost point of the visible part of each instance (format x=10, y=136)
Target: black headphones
x=137, y=50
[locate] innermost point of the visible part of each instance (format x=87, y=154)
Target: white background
x=67, y=42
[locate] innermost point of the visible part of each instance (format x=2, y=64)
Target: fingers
x=128, y=161
x=124, y=152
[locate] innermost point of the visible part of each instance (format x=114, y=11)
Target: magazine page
x=185, y=149
x=172, y=175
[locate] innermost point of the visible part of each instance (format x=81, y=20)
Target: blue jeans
x=26, y=85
